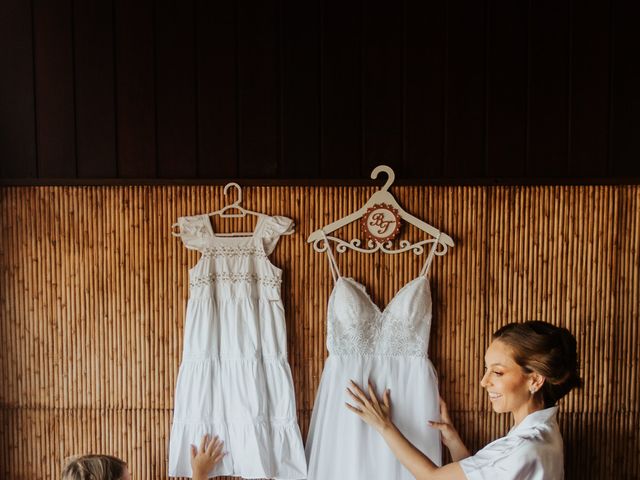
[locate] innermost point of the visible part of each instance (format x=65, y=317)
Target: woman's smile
x=507, y=385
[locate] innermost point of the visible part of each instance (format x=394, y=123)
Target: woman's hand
x=369, y=408
x=448, y=431
x=450, y=436
x=203, y=460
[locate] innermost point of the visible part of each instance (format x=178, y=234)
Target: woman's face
x=507, y=385
x=126, y=475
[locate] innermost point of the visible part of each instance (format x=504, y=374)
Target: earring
x=532, y=390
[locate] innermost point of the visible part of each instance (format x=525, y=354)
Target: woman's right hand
x=449, y=434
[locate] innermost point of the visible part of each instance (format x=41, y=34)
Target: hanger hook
x=233, y=184
x=390, y=174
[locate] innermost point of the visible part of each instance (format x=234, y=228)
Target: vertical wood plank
x=176, y=100
x=506, y=89
x=217, y=94
x=465, y=110
x=300, y=89
x=17, y=92
x=590, y=64
x=424, y=90
x=548, y=121
x=383, y=77
x=135, y=89
x=259, y=88
x=54, y=87
x=625, y=97
x=341, y=89
x=95, y=88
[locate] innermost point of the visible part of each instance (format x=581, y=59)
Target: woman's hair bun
x=548, y=350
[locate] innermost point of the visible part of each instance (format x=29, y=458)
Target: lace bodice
x=356, y=326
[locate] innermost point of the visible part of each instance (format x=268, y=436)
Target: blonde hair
x=93, y=467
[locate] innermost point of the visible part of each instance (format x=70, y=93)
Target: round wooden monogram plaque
x=381, y=223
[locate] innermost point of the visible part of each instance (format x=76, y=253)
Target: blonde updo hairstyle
x=94, y=467
x=547, y=350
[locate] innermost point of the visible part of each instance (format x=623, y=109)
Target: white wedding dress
x=234, y=379
x=388, y=347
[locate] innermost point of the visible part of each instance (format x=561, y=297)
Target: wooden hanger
x=382, y=196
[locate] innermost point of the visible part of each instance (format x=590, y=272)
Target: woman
x=528, y=368
x=105, y=467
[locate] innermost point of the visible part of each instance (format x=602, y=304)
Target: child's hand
x=206, y=458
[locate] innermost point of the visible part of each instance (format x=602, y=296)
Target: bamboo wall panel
x=93, y=290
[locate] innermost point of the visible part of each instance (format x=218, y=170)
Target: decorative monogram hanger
x=380, y=219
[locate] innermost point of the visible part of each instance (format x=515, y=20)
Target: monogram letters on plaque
x=381, y=223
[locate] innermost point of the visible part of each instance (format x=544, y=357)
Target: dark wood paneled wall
x=461, y=90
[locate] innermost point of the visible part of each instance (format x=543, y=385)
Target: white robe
x=532, y=450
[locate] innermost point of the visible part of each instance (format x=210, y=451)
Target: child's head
x=95, y=467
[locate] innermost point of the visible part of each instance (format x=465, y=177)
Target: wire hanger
x=241, y=212
x=381, y=196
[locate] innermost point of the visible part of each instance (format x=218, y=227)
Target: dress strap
x=333, y=265
x=427, y=263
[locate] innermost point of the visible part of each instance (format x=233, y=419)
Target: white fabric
x=532, y=450
x=389, y=347
x=234, y=379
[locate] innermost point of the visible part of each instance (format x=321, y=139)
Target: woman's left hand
x=369, y=408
